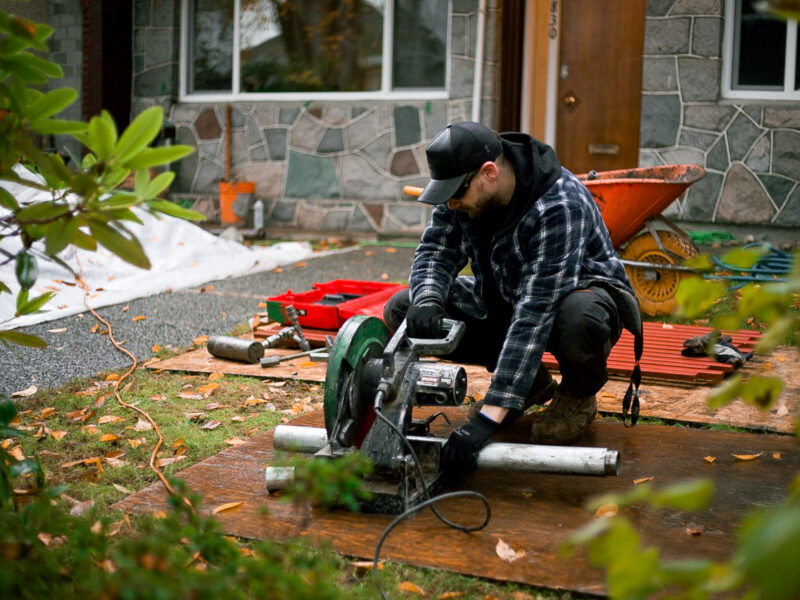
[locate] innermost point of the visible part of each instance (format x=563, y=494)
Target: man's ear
x=490, y=170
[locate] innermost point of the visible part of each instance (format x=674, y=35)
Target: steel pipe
x=516, y=457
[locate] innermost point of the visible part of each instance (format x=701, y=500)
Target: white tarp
x=182, y=255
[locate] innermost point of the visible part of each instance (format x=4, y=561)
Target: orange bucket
x=228, y=193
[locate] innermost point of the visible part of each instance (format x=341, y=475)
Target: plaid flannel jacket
x=557, y=245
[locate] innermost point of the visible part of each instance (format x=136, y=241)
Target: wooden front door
x=600, y=84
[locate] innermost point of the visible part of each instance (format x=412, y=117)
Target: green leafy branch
x=85, y=207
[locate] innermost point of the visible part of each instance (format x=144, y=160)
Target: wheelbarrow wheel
x=655, y=288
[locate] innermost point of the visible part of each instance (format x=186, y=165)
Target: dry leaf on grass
x=58, y=434
x=211, y=425
x=17, y=453
x=46, y=412
x=235, y=441
x=122, y=489
x=449, y=595
x=238, y=419
x=190, y=396
x=136, y=442
x=208, y=389
x=142, y=425
x=29, y=391
x=109, y=419
x=506, y=552
x=228, y=506
x=165, y=462
x=81, y=507
x=109, y=437
x=746, y=456
x=112, y=377
x=216, y=375
x=410, y=588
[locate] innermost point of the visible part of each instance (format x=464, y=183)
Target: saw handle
x=455, y=331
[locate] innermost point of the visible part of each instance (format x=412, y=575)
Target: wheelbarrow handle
x=412, y=190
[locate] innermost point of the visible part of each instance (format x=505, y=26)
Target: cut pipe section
x=515, y=457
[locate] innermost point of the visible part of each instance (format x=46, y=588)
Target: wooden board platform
x=659, y=400
x=530, y=512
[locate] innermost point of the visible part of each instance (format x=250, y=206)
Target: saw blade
x=347, y=404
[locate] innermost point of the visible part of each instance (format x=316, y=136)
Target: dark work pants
x=585, y=328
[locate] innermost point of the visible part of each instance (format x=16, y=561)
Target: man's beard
x=484, y=204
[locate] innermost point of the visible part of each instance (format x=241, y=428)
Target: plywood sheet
x=659, y=399
x=530, y=512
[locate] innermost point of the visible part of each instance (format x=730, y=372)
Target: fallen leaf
x=709, y=459
x=58, y=434
x=238, y=419
x=29, y=391
x=101, y=400
x=208, y=389
x=607, y=510
x=782, y=411
x=94, y=328
x=200, y=340
x=190, y=396
x=121, y=488
x=224, y=507
x=746, y=456
x=410, y=588
x=277, y=270
x=216, y=375
x=235, y=441
x=164, y=462
x=448, y=595
x=767, y=366
x=112, y=377
x=142, y=425
x=506, y=552
x=108, y=437
x=156, y=348
x=776, y=455
x=300, y=264
x=44, y=538
x=109, y=419
x=159, y=398
x=138, y=318
x=136, y=442
x=779, y=357
x=81, y=507
x=46, y=412
x=59, y=330
x=17, y=453
x=642, y=480
x=213, y=424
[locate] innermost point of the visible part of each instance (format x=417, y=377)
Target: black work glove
x=425, y=321
x=460, y=453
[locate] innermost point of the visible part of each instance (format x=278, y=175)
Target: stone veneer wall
x=318, y=165
x=750, y=149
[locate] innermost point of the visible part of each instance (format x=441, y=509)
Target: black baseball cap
x=455, y=152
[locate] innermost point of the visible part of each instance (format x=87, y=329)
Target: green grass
x=244, y=406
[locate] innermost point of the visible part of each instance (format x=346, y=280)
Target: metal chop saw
x=372, y=384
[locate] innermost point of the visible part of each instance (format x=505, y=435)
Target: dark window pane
x=311, y=45
x=420, y=43
x=797, y=67
x=761, y=50
x=211, y=46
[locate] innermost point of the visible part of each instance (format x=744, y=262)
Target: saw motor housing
x=368, y=372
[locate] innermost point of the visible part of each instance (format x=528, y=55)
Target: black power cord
x=429, y=501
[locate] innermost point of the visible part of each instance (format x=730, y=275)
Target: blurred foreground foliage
x=84, y=206
x=764, y=563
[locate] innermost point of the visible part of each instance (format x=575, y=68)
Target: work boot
x=541, y=393
x=564, y=420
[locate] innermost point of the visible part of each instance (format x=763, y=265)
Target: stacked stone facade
x=750, y=149
x=318, y=165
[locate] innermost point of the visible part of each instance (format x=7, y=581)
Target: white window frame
x=385, y=93
x=788, y=92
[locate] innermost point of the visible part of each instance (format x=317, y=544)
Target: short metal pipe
x=279, y=478
x=300, y=439
x=515, y=457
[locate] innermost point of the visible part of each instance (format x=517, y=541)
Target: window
x=306, y=49
x=761, y=52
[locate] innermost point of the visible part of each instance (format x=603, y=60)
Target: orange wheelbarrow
x=631, y=200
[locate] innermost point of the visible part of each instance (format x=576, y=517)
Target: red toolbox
x=328, y=305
